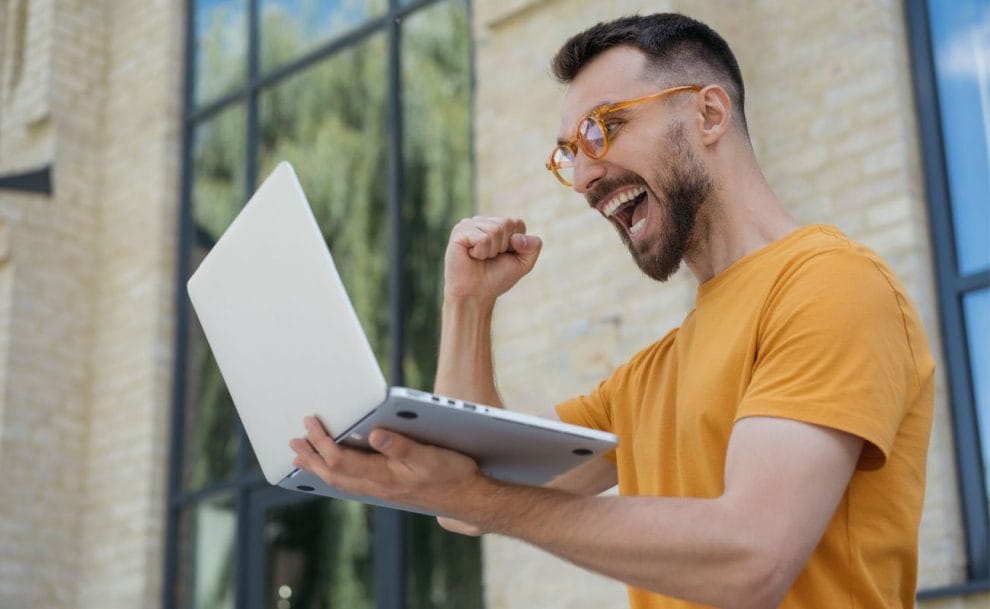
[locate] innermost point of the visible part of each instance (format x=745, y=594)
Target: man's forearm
x=688, y=548
x=464, y=364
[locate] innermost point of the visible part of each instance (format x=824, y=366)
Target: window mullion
x=389, y=528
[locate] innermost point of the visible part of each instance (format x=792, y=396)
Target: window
x=370, y=100
x=951, y=54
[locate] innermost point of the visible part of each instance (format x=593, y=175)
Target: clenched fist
x=487, y=256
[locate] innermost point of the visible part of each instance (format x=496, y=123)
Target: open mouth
x=626, y=209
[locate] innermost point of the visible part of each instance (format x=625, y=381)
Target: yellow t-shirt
x=814, y=328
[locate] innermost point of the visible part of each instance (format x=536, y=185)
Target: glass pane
x=961, y=40
x=318, y=555
x=444, y=569
x=210, y=441
x=291, y=28
x=206, y=555
x=329, y=121
x=221, y=48
x=436, y=81
x=218, y=159
x=976, y=308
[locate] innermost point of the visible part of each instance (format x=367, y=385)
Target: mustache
x=610, y=185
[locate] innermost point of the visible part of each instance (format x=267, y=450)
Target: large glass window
x=370, y=101
x=951, y=52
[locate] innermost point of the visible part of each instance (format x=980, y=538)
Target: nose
x=587, y=171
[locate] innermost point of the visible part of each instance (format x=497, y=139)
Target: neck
x=744, y=215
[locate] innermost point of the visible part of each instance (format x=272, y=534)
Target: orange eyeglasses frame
x=566, y=152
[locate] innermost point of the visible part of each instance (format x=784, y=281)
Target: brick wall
x=86, y=290
x=830, y=109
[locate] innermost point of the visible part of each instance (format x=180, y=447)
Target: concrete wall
x=86, y=289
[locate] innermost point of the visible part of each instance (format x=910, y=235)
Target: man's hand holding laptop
x=485, y=258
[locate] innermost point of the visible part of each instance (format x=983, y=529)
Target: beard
x=681, y=191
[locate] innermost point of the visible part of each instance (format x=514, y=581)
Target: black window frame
x=951, y=287
x=389, y=538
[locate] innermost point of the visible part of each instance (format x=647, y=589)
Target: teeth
x=619, y=200
x=635, y=228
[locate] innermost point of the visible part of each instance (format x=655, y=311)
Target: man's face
x=650, y=184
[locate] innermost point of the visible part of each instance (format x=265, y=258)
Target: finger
x=518, y=226
x=353, y=471
x=479, y=244
x=308, y=459
x=527, y=248
x=321, y=441
x=509, y=227
x=394, y=446
x=501, y=231
x=495, y=243
x=459, y=526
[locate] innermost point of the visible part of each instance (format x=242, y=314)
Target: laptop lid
x=276, y=315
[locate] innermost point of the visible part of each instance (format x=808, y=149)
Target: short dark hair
x=674, y=44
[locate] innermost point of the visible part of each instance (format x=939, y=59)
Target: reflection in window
x=436, y=90
x=961, y=40
x=329, y=121
x=206, y=549
x=211, y=422
x=221, y=48
x=952, y=60
x=329, y=116
x=443, y=569
x=976, y=310
x=318, y=555
x=218, y=155
x=291, y=28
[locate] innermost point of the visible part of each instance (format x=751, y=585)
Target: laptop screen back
x=285, y=336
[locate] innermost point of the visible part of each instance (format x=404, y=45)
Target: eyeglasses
x=592, y=134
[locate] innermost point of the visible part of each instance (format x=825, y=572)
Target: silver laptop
x=289, y=344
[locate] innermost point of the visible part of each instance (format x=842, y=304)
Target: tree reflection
x=330, y=121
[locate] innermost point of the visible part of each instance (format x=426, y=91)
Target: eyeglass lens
x=593, y=137
x=563, y=163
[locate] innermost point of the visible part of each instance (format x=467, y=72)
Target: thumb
x=527, y=247
x=390, y=444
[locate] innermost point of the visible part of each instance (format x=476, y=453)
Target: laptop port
x=470, y=406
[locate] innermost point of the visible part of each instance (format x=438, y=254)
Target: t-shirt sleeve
x=591, y=410
x=833, y=351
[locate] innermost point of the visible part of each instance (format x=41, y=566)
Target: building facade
x=130, y=132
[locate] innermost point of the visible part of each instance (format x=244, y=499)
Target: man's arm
x=485, y=257
x=783, y=481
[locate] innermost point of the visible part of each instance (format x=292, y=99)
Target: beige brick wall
x=830, y=108
x=86, y=289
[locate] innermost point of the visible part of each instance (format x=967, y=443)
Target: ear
x=715, y=115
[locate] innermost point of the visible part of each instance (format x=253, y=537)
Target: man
x=772, y=449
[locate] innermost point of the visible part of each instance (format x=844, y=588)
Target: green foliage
x=330, y=121
x=437, y=174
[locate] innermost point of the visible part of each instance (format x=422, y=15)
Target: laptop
x=289, y=344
